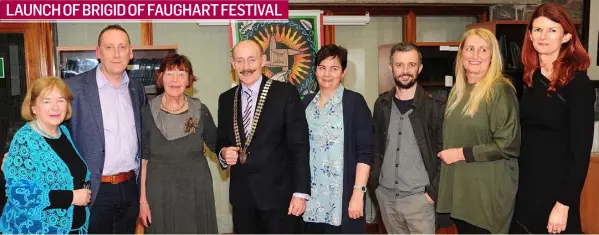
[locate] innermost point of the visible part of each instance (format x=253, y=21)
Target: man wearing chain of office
x=263, y=138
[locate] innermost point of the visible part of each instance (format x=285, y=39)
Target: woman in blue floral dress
x=341, y=149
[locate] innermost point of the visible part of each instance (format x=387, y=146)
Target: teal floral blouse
x=326, y=160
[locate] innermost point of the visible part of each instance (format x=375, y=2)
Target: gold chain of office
x=243, y=150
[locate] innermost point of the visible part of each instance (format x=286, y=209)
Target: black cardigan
x=358, y=148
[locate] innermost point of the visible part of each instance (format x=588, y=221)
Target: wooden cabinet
x=438, y=63
x=589, y=199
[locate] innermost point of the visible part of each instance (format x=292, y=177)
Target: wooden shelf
x=427, y=44
x=135, y=48
x=73, y=60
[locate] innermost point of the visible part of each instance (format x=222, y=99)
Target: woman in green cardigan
x=481, y=138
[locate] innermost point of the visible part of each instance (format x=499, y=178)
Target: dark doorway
x=13, y=87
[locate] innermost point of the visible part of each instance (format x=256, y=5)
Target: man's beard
x=404, y=86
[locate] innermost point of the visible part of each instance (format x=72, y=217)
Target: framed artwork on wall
x=290, y=46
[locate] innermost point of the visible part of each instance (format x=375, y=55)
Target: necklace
x=174, y=110
x=45, y=134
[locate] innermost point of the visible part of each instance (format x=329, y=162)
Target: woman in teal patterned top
x=326, y=159
x=46, y=179
x=341, y=148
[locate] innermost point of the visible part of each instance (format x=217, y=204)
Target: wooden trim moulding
x=329, y=32
x=47, y=48
x=38, y=48
x=482, y=17
x=147, y=34
x=409, y=27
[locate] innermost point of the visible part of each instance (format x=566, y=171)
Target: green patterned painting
x=290, y=46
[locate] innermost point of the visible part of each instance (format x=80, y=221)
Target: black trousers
x=467, y=228
x=321, y=228
x=116, y=208
x=251, y=220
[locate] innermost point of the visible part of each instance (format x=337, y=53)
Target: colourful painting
x=290, y=46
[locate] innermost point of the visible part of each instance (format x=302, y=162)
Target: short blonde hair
x=40, y=88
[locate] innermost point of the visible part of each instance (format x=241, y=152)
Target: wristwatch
x=361, y=188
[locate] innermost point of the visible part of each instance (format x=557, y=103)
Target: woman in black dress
x=557, y=125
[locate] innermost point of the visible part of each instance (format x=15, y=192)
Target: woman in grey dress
x=176, y=184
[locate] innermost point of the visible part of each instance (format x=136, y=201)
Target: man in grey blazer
x=106, y=129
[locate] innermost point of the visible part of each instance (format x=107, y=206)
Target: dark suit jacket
x=86, y=125
x=278, y=157
x=358, y=148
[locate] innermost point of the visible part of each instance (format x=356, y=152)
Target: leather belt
x=118, y=178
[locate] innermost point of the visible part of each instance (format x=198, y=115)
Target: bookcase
x=510, y=35
x=438, y=70
x=73, y=60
